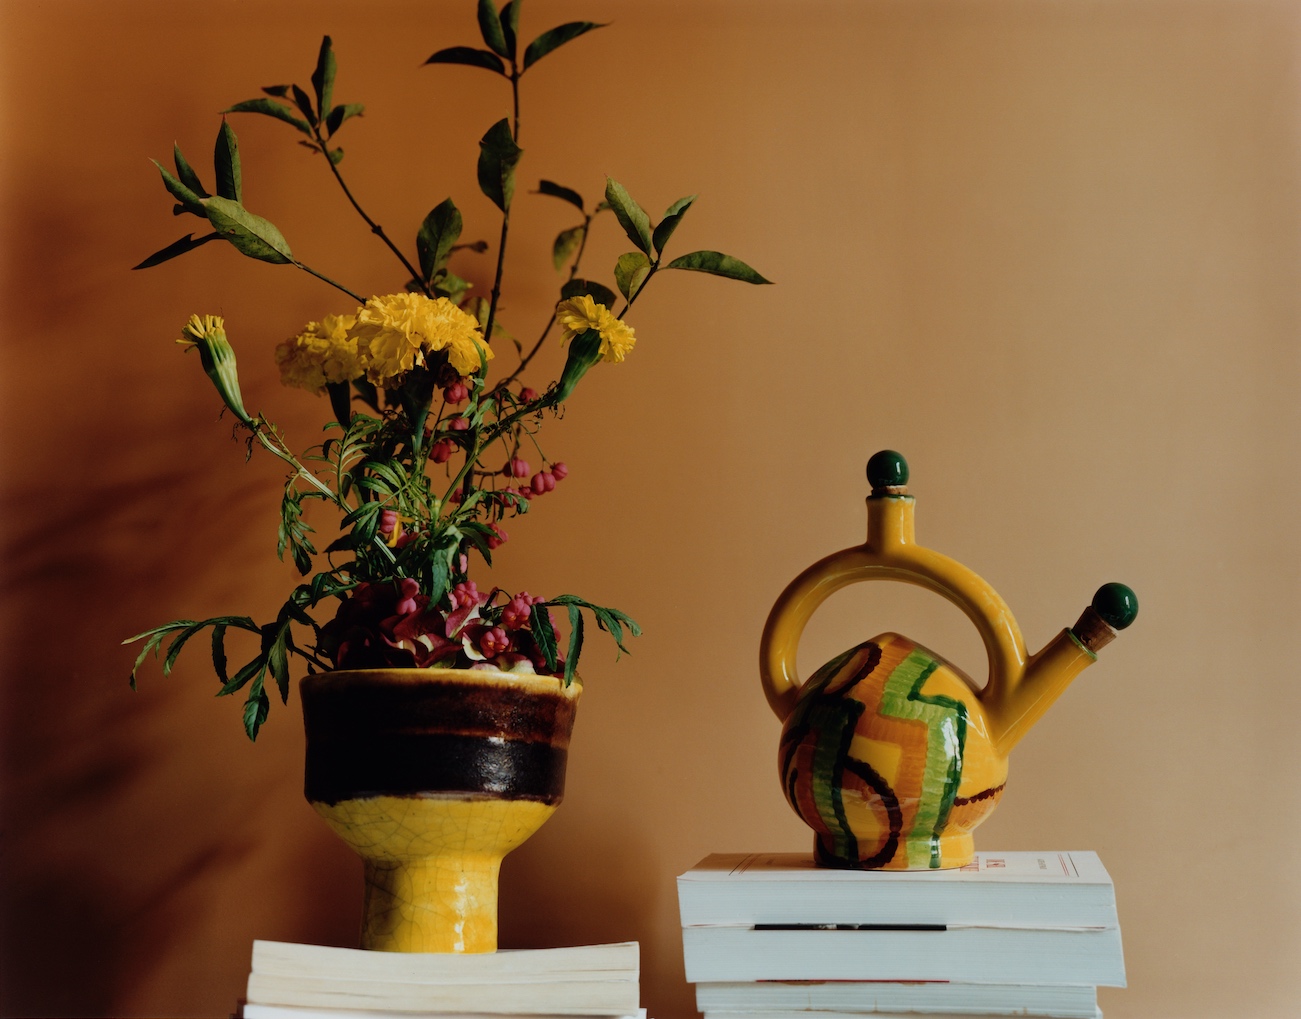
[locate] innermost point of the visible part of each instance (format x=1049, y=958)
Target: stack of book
x=314, y=982
x=772, y=936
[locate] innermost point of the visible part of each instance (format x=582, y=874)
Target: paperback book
x=1014, y=889
x=595, y=980
x=774, y=998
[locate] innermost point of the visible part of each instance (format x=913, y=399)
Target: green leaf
x=631, y=216
x=390, y=472
x=630, y=273
x=672, y=217
x=469, y=56
x=151, y=644
x=598, y=293
x=174, y=649
x=606, y=620
x=627, y=621
x=242, y=677
x=477, y=535
x=575, y=643
x=550, y=187
x=276, y=90
x=278, y=663
x=439, y=575
x=498, y=157
x=566, y=244
x=335, y=156
x=543, y=634
x=256, y=708
x=366, y=522
x=452, y=287
x=510, y=26
x=440, y=230
x=219, y=652
x=340, y=114
x=304, y=103
x=323, y=76
x=188, y=199
x=271, y=108
x=490, y=28
x=186, y=174
x=719, y=264
x=186, y=243
x=556, y=37
x=251, y=235
x=225, y=159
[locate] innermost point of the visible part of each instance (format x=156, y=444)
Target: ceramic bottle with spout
x=889, y=753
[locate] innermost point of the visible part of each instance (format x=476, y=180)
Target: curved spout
x=1050, y=671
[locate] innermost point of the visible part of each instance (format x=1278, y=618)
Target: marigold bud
x=208, y=334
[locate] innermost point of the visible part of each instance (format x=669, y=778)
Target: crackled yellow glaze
x=431, y=866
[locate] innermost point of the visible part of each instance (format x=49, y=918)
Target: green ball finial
x=1116, y=604
x=887, y=469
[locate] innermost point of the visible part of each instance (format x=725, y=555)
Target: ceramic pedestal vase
x=432, y=776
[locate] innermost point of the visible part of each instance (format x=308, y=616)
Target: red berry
x=456, y=392
x=442, y=451
x=560, y=470
x=528, y=395
x=519, y=468
x=458, y=424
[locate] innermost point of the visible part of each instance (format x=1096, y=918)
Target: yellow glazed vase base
x=432, y=865
x=432, y=776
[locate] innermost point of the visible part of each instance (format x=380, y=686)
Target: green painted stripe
x=946, y=722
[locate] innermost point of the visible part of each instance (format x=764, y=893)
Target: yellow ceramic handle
x=890, y=553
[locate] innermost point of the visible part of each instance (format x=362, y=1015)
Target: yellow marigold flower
x=579, y=314
x=323, y=352
x=617, y=339
x=394, y=334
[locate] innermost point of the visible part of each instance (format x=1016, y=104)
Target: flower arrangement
x=427, y=455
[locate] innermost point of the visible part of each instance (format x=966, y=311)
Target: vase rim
x=491, y=678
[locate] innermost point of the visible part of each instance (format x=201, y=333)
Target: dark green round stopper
x=1116, y=604
x=887, y=469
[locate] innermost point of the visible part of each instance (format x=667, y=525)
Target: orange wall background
x=1049, y=251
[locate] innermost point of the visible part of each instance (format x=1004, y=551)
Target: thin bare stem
x=375, y=228
x=337, y=286
x=573, y=271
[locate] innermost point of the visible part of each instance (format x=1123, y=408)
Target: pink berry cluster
x=391, y=623
x=541, y=483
